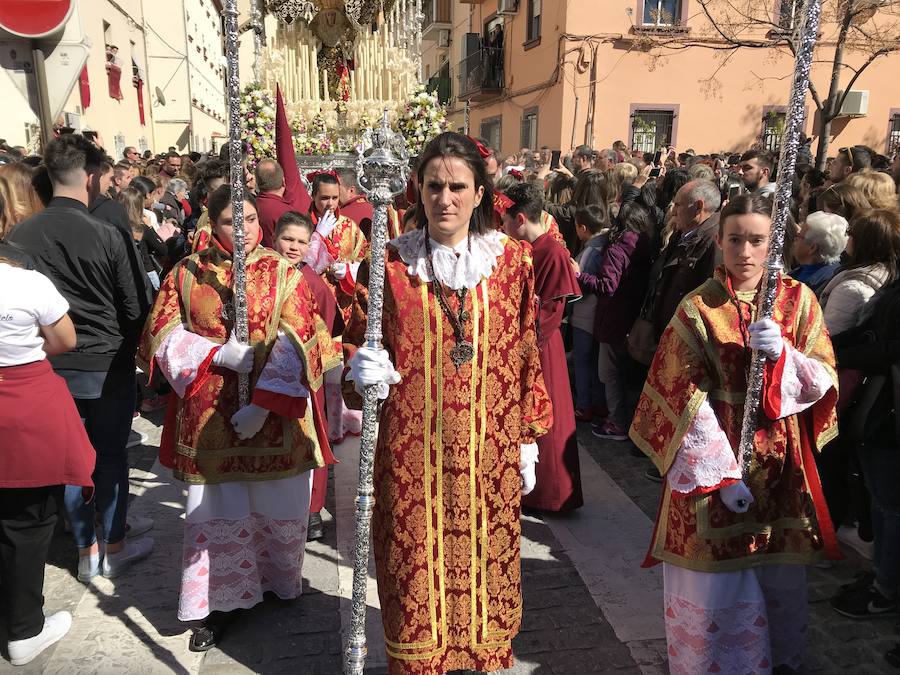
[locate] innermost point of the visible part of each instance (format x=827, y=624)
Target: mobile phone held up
x=655, y=171
x=554, y=159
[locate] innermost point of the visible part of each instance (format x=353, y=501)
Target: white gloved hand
x=527, y=459
x=235, y=356
x=736, y=497
x=373, y=367
x=338, y=270
x=249, y=420
x=326, y=224
x=765, y=336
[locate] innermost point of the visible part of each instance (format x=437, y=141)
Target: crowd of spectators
x=641, y=229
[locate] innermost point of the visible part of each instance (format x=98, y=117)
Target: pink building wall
x=727, y=116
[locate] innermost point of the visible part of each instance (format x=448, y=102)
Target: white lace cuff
x=180, y=356
x=705, y=457
x=803, y=382
x=317, y=256
x=283, y=371
x=463, y=267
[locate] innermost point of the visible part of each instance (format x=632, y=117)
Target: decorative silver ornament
x=382, y=168
x=793, y=127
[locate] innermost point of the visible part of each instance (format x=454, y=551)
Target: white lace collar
x=462, y=266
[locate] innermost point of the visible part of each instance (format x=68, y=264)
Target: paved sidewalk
x=589, y=607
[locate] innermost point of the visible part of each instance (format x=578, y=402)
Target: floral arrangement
x=258, y=112
x=311, y=138
x=422, y=119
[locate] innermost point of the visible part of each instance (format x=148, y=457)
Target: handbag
x=641, y=341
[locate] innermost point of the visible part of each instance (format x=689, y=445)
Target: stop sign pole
x=34, y=20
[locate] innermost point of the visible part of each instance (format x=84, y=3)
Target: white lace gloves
x=373, y=367
x=234, y=356
x=326, y=224
x=765, y=335
x=527, y=459
x=736, y=497
x=248, y=421
x=338, y=270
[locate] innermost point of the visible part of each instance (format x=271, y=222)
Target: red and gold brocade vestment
x=702, y=360
x=198, y=442
x=446, y=522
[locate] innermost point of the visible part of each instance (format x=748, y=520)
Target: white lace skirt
x=241, y=540
x=735, y=622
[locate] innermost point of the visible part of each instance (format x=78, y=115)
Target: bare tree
x=865, y=29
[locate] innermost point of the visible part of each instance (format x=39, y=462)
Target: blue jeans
x=881, y=469
x=589, y=393
x=108, y=423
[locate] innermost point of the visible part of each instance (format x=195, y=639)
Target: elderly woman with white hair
x=818, y=248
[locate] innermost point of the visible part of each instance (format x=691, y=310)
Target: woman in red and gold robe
x=734, y=552
x=457, y=435
x=248, y=470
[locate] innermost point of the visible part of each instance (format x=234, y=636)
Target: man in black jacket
x=88, y=262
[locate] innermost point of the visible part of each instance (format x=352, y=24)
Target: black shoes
x=316, y=527
x=864, y=603
x=209, y=633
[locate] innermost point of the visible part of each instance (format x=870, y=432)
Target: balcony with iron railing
x=481, y=75
x=442, y=84
x=438, y=15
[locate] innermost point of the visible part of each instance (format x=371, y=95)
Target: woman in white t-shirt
x=44, y=448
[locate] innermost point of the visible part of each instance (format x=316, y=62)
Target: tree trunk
x=824, y=140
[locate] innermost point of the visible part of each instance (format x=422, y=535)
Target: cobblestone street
x=589, y=607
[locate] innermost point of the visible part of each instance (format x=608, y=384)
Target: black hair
x=221, y=198
x=321, y=179
x=171, y=154
x=674, y=180
x=527, y=199
x=744, y=205
x=636, y=217
x=144, y=184
x=71, y=152
x=292, y=218
x=763, y=157
x=594, y=217
x=451, y=144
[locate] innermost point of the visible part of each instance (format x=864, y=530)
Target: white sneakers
x=113, y=564
x=25, y=651
x=136, y=549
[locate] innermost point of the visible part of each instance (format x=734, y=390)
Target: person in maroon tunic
x=353, y=204
x=292, y=233
x=280, y=187
x=558, y=485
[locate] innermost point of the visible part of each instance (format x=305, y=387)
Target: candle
x=325, y=85
x=316, y=88
x=307, y=89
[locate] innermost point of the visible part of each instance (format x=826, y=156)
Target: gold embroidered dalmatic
x=446, y=523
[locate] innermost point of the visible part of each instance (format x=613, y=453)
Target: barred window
x=772, y=131
x=651, y=129
x=491, y=131
x=529, y=129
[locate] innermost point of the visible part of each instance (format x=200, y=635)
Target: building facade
x=110, y=95
x=186, y=59
x=527, y=73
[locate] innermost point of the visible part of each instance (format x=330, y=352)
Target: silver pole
x=257, y=11
x=239, y=272
x=790, y=142
x=382, y=167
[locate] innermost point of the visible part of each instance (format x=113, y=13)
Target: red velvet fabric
x=269, y=205
x=558, y=472
x=44, y=440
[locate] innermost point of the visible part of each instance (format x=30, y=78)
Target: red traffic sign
x=34, y=18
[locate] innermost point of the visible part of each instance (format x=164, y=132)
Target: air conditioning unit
x=443, y=37
x=507, y=7
x=856, y=104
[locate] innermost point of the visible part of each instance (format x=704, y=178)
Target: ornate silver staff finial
x=239, y=272
x=382, y=167
x=790, y=143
